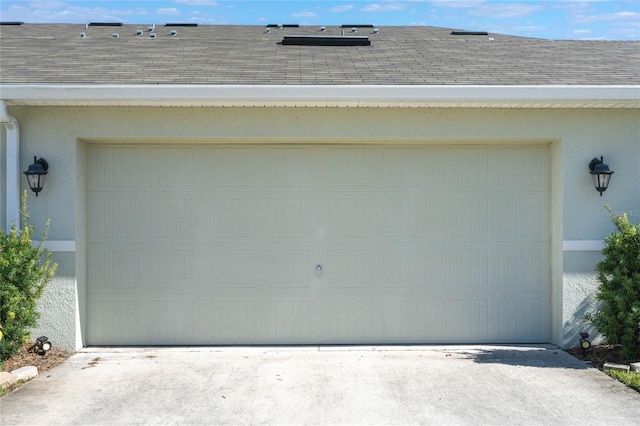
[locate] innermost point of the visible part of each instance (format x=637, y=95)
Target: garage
x=211, y=244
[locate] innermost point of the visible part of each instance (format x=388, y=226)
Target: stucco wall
x=580, y=285
x=617, y=138
x=59, y=134
x=58, y=305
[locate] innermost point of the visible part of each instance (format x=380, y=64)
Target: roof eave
x=422, y=96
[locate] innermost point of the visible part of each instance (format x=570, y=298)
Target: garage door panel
x=467, y=216
x=166, y=322
x=285, y=217
x=287, y=167
x=172, y=217
x=467, y=267
x=276, y=324
x=114, y=267
x=114, y=216
x=171, y=267
x=347, y=267
x=230, y=217
x=284, y=268
x=523, y=267
x=436, y=273
x=416, y=244
x=458, y=215
x=349, y=217
x=467, y=167
x=523, y=317
x=114, y=322
x=114, y=168
x=524, y=167
x=347, y=168
x=229, y=167
x=406, y=320
x=501, y=319
x=405, y=268
x=224, y=320
x=230, y=268
x=520, y=218
x=350, y=321
x=468, y=319
x=173, y=168
x=405, y=167
x=436, y=216
x=404, y=217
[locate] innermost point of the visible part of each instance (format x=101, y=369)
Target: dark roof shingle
x=249, y=55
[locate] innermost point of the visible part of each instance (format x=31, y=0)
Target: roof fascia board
x=551, y=96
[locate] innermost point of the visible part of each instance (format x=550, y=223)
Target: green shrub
x=618, y=315
x=629, y=378
x=25, y=270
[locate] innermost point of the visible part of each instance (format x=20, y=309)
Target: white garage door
x=202, y=244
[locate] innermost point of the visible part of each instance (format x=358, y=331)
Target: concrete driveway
x=323, y=385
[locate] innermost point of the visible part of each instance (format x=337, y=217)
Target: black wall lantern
x=35, y=174
x=601, y=174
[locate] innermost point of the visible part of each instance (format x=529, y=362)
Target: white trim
x=58, y=245
x=550, y=96
x=568, y=245
x=582, y=245
x=12, y=200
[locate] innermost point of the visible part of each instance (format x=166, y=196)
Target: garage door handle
x=318, y=270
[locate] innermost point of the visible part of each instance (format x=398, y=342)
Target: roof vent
x=115, y=35
x=181, y=24
x=11, y=23
x=376, y=31
x=174, y=32
x=139, y=32
x=83, y=35
x=354, y=30
x=357, y=26
x=311, y=40
x=152, y=35
x=268, y=30
x=281, y=26
x=152, y=27
x=456, y=32
x=323, y=29
x=105, y=24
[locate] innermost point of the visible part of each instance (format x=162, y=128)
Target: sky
x=551, y=19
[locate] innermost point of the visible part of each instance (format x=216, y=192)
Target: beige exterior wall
x=60, y=133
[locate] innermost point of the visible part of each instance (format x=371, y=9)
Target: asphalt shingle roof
x=249, y=55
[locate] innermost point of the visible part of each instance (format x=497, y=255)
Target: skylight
x=325, y=40
x=457, y=32
x=105, y=24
